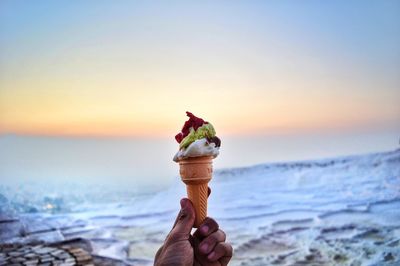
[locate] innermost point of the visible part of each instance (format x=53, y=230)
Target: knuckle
x=177, y=236
x=223, y=235
x=207, y=221
x=229, y=250
x=212, y=239
x=212, y=224
x=181, y=215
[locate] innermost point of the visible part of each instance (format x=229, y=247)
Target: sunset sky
x=132, y=68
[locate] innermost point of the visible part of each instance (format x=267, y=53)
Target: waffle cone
x=196, y=172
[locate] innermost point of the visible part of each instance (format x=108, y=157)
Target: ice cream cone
x=196, y=172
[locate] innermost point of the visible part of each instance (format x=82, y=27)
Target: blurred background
x=92, y=93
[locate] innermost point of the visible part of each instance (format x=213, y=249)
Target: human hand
x=177, y=248
x=207, y=246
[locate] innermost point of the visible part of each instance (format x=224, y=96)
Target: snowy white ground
x=343, y=211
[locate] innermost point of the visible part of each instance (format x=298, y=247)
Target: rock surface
x=65, y=253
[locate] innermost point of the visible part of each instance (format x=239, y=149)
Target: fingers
x=183, y=224
x=222, y=252
x=201, y=258
x=208, y=243
x=207, y=227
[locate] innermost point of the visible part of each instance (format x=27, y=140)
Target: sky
x=132, y=68
x=98, y=89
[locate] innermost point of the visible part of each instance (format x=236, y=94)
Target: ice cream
x=198, y=146
x=196, y=139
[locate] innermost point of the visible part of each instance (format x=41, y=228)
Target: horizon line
x=266, y=132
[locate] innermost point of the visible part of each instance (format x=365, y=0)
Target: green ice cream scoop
x=205, y=131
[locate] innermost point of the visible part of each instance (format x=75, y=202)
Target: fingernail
x=183, y=203
x=204, y=247
x=211, y=255
x=204, y=229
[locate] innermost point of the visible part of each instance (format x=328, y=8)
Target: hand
x=207, y=246
x=177, y=249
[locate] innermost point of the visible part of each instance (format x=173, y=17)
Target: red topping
x=179, y=137
x=194, y=122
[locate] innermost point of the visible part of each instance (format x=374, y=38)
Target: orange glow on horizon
x=168, y=128
x=154, y=111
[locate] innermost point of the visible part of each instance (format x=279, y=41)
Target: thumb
x=184, y=222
